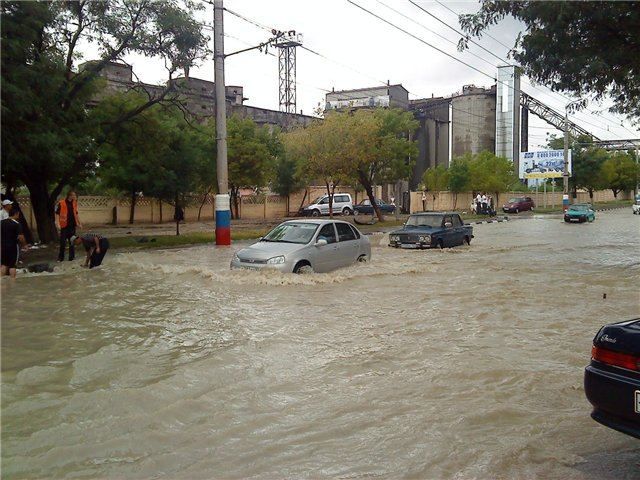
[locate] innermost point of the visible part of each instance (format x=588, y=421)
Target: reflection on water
x=462, y=363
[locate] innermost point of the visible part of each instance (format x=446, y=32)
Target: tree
x=49, y=138
x=182, y=160
x=370, y=147
x=586, y=163
x=286, y=177
x=131, y=151
x=317, y=150
x=620, y=173
x=249, y=157
x=378, y=147
x=583, y=48
x=458, y=177
x=435, y=179
x=490, y=173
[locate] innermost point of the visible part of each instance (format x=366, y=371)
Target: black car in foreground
x=612, y=379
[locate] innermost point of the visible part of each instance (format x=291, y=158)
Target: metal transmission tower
x=286, y=44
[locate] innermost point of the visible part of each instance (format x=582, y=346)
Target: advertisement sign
x=543, y=164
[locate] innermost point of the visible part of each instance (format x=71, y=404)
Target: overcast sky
x=357, y=50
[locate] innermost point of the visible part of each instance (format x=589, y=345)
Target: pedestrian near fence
x=68, y=221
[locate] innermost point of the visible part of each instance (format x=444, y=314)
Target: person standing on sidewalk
x=68, y=220
x=11, y=238
x=96, y=247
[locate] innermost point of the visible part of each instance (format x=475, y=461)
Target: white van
x=342, y=205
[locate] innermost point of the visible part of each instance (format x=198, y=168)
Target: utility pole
x=565, y=173
x=223, y=213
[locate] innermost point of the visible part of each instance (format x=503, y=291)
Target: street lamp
x=565, y=173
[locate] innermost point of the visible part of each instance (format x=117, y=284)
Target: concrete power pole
x=223, y=213
x=565, y=172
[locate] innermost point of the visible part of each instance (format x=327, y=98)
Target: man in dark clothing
x=95, y=245
x=11, y=237
x=67, y=211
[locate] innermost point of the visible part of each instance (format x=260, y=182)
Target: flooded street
x=462, y=363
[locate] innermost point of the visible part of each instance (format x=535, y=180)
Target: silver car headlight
x=276, y=260
x=424, y=238
x=235, y=257
x=394, y=238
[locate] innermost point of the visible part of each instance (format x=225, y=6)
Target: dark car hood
x=415, y=230
x=621, y=337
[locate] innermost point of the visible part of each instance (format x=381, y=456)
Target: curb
x=612, y=208
x=493, y=220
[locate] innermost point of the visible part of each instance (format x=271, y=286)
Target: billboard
x=543, y=164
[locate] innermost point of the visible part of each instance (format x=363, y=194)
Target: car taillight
x=624, y=360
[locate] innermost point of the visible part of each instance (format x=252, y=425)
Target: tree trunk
x=306, y=192
x=132, y=209
x=204, y=199
x=288, y=203
x=455, y=200
x=368, y=188
x=44, y=212
x=330, y=193
x=590, y=190
x=615, y=193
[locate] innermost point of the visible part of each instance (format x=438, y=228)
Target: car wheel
x=346, y=212
x=440, y=244
x=466, y=241
x=363, y=259
x=303, y=267
x=567, y=221
x=356, y=212
x=315, y=213
x=515, y=211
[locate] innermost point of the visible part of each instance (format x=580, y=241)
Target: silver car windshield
x=424, y=221
x=301, y=233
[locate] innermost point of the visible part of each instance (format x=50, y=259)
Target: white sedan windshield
x=301, y=233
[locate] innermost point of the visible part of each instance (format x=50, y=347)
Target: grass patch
x=168, y=241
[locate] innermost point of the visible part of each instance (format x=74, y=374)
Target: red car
x=518, y=204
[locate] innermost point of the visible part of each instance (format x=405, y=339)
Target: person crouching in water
x=95, y=245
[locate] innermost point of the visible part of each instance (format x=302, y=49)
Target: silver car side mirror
x=321, y=242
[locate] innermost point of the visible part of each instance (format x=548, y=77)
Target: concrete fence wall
x=449, y=201
x=102, y=210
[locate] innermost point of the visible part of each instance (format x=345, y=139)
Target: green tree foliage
x=458, y=177
x=49, y=138
x=367, y=146
x=620, y=173
x=489, y=173
x=435, y=180
x=317, y=151
x=586, y=163
x=585, y=48
x=250, y=156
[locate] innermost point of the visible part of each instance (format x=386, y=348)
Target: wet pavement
x=462, y=363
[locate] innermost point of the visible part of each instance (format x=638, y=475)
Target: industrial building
x=197, y=96
x=473, y=120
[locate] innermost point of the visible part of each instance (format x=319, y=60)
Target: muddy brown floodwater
x=462, y=363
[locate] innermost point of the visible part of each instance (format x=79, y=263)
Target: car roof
x=426, y=214
x=322, y=221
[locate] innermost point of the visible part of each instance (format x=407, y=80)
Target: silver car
x=302, y=246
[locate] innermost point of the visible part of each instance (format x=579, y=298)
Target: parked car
x=636, y=206
x=365, y=207
x=612, y=379
x=432, y=230
x=518, y=204
x=303, y=246
x=342, y=205
x=580, y=212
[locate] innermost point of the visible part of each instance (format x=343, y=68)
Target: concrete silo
x=473, y=115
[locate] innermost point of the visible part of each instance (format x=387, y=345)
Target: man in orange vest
x=68, y=220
